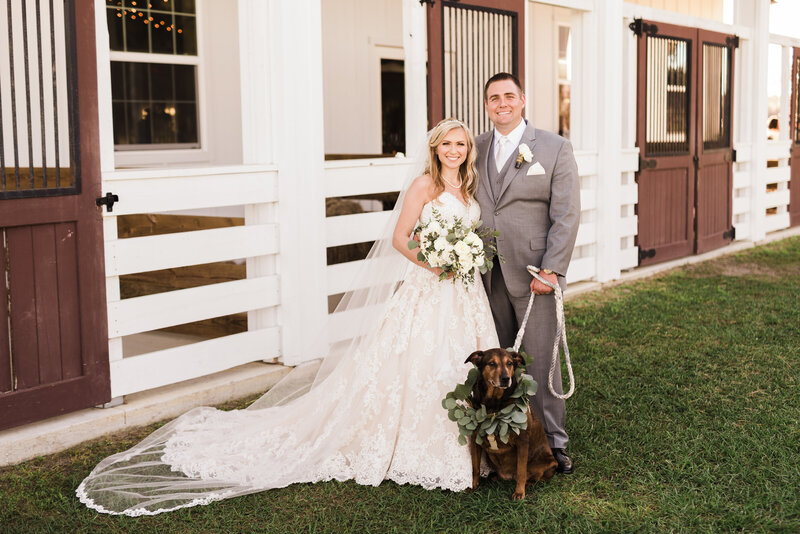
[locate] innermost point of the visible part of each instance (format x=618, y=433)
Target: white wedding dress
x=378, y=416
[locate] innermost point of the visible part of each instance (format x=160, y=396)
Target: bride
x=374, y=410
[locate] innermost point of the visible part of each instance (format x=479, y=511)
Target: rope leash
x=560, y=338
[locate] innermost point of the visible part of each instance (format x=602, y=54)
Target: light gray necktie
x=503, y=144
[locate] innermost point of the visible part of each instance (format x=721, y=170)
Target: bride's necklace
x=448, y=182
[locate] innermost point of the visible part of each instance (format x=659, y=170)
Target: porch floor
x=60, y=433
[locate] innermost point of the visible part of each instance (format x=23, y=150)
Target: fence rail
x=178, y=190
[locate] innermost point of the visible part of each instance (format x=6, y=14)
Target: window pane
x=185, y=35
x=138, y=117
x=186, y=117
x=185, y=86
x=137, y=84
x=146, y=111
x=136, y=33
x=120, y=129
x=115, y=37
x=184, y=6
x=161, y=81
x=117, y=78
x=162, y=35
x=151, y=26
x=164, y=123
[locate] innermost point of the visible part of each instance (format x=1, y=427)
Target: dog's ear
x=475, y=358
x=519, y=361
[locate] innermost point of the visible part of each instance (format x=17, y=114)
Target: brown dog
x=525, y=458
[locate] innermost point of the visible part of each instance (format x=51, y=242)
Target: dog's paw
x=518, y=495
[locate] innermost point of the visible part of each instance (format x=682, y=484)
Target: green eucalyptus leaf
x=519, y=417
x=412, y=244
x=462, y=440
x=504, y=438
x=478, y=439
x=462, y=391
x=420, y=256
x=450, y=403
x=459, y=413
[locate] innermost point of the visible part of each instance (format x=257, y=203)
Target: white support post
x=294, y=30
x=415, y=42
x=257, y=130
x=755, y=53
x=609, y=91
x=106, y=148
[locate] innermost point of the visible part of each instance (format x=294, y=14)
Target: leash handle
x=560, y=337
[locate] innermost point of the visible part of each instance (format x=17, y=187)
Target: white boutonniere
x=525, y=154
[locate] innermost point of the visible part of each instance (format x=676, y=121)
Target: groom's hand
x=541, y=289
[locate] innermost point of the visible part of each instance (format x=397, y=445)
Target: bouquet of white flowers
x=456, y=248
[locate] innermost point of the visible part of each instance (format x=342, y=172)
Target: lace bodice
x=450, y=207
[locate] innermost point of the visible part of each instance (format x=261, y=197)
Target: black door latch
x=108, y=200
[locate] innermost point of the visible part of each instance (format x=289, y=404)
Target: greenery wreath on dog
x=483, y=423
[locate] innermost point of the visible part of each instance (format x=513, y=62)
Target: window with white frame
x=154, y=73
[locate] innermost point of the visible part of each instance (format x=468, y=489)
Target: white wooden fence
x=154, y=191
x=360, y=177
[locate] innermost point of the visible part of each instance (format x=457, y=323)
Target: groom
x=533, y=199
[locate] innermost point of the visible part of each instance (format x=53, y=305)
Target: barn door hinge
x=108, y=200
x=732, y=41
x=729, y=234
x=645, y=253
x=647, y=163
x=639, y=27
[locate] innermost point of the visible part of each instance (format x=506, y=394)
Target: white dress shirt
x=513, y=139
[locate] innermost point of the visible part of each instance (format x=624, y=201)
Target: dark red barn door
x=53, y=323
x=684, y=118
x=468, y=42
x=794, y=133
x=714, y=178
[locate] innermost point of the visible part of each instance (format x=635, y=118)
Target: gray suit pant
x=537, y=341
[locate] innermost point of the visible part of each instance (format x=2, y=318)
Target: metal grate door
x=38, y=103
x=467, y=44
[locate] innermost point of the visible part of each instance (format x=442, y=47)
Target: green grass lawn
x=685, y=419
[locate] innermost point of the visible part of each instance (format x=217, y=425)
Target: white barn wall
x=709, y=9
x=356, y=34
x=221, y=78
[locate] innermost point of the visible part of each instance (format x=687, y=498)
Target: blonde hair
x=467, y=172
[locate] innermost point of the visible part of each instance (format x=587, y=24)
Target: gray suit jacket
x=537, y=215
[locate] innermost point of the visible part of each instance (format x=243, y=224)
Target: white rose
x=525, y=152
x=434, y=260
x=461, y=248
x=435, y=228
x=479, y=261
x=441, y=244
x=466, y=263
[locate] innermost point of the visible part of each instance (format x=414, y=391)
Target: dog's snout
x=505, y=381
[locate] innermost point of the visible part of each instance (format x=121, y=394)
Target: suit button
x=496, y=213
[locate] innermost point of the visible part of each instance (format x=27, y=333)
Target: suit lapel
x=483, y=166
x=529, y=138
